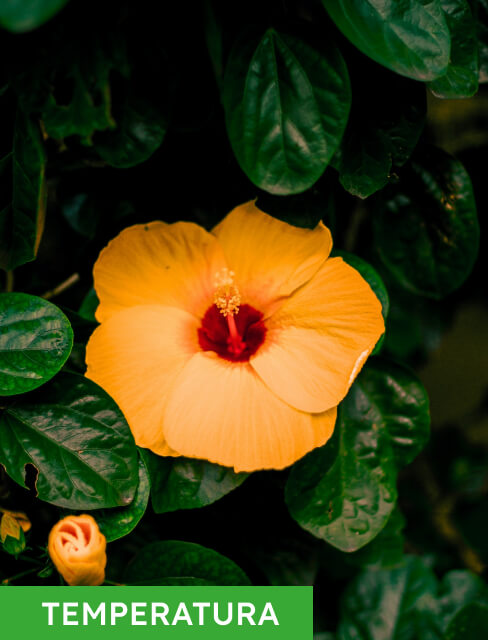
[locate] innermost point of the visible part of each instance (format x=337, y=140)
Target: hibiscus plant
x=239, y=245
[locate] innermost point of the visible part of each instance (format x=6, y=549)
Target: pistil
x=227, y=299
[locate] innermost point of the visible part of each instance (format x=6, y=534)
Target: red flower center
x=233, y=337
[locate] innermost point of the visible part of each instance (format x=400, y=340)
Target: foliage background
x=113, y=114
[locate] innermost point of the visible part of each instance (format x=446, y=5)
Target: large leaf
x=286, y=107
x=470, y=623
x=386, y=550
x=35, y=341
x=24, y=15
x=78, y=440
x=345, y=491
x=405, y=603
x=426, y=229
x=480, y=11
x=383, y=130
x=410, y=37
x=184, y=483
x=117, y=523
x=22, y=195
x=461, y=78
x=173, y=559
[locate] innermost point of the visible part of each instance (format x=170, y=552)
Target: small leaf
x=20, y=16
x=35, y=341
x=89, y=305
x=409, y=37
x=184, y=483
x=23, y=194
x=286, y=106
x=117, y=523
x=173, y=559
x=461, y=78
x=77, y=439
x=345, y=491
x=426, y=229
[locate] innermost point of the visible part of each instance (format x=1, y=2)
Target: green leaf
x=374, y=280
x=141, y=127
x=23, y=194
x=117, y=523
x=89, y=305
x=24, y=15
x=480, y=12
x=77, y=439
x=410, y=37
x=185, y=483
x=14, y=546
x=386, y=550
x=345, y=491
x=383, y=130
x=470, y=623
x=35, y=341
x=173, y=559
x=426, y=230
x=405, y=603
x=461, y=78
x=81, y=214
x=286, y=107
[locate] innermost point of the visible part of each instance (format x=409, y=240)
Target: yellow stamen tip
x=227, y=298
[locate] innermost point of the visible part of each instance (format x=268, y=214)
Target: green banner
x=278, y=613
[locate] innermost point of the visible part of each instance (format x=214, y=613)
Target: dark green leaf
x=117, y=523
x=81, y=214
x=480, y=12
x=470, y=623
x=22, y=195
x=140, y=130
x=286, y=107
x=182, y=560
x=24, y=15
x=77, y=439
x=345, y=491
x=410, y=37
x=461, y=78
x=89, y=305
x=184, y=483
x=426, y=230
x=35, y=341
x=386, y=550
x=405, y=603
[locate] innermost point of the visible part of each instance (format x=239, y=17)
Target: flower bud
x=77, y=549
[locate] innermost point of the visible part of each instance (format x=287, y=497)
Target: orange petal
x=319, y=339
x=158, y=263
x=135, y=356
x=223, y=412
x=270, y=258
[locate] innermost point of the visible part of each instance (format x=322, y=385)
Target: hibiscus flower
x=234, y=346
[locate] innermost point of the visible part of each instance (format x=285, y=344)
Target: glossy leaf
x=426, y=230
x=470, y=623
x=173, y=559
x=24, y=15
x=117, y=523
x=410, y=37
x=345, y=491
x=405, y=603
x=286, y=107
x=140, y=130
x=386, y=550
x=185, y=483
x=23, y=194
x=383, y=130
x=77, y=439
x=461, y=78
x=480, y=11
x=35, y=341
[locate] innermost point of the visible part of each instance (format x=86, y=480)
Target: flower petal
x=158, y=263
x=222, y=412
x=319, y=339
x=135, y=356
x=270, y=258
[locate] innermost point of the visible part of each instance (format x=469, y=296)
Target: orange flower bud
x=77, y=549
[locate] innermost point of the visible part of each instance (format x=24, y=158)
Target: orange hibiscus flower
x=234, y=346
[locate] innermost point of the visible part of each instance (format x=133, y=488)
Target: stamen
x=227, y=298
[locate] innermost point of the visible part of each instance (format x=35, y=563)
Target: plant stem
x=66, y=284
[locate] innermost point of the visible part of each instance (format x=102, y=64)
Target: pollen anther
x=227, y=298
